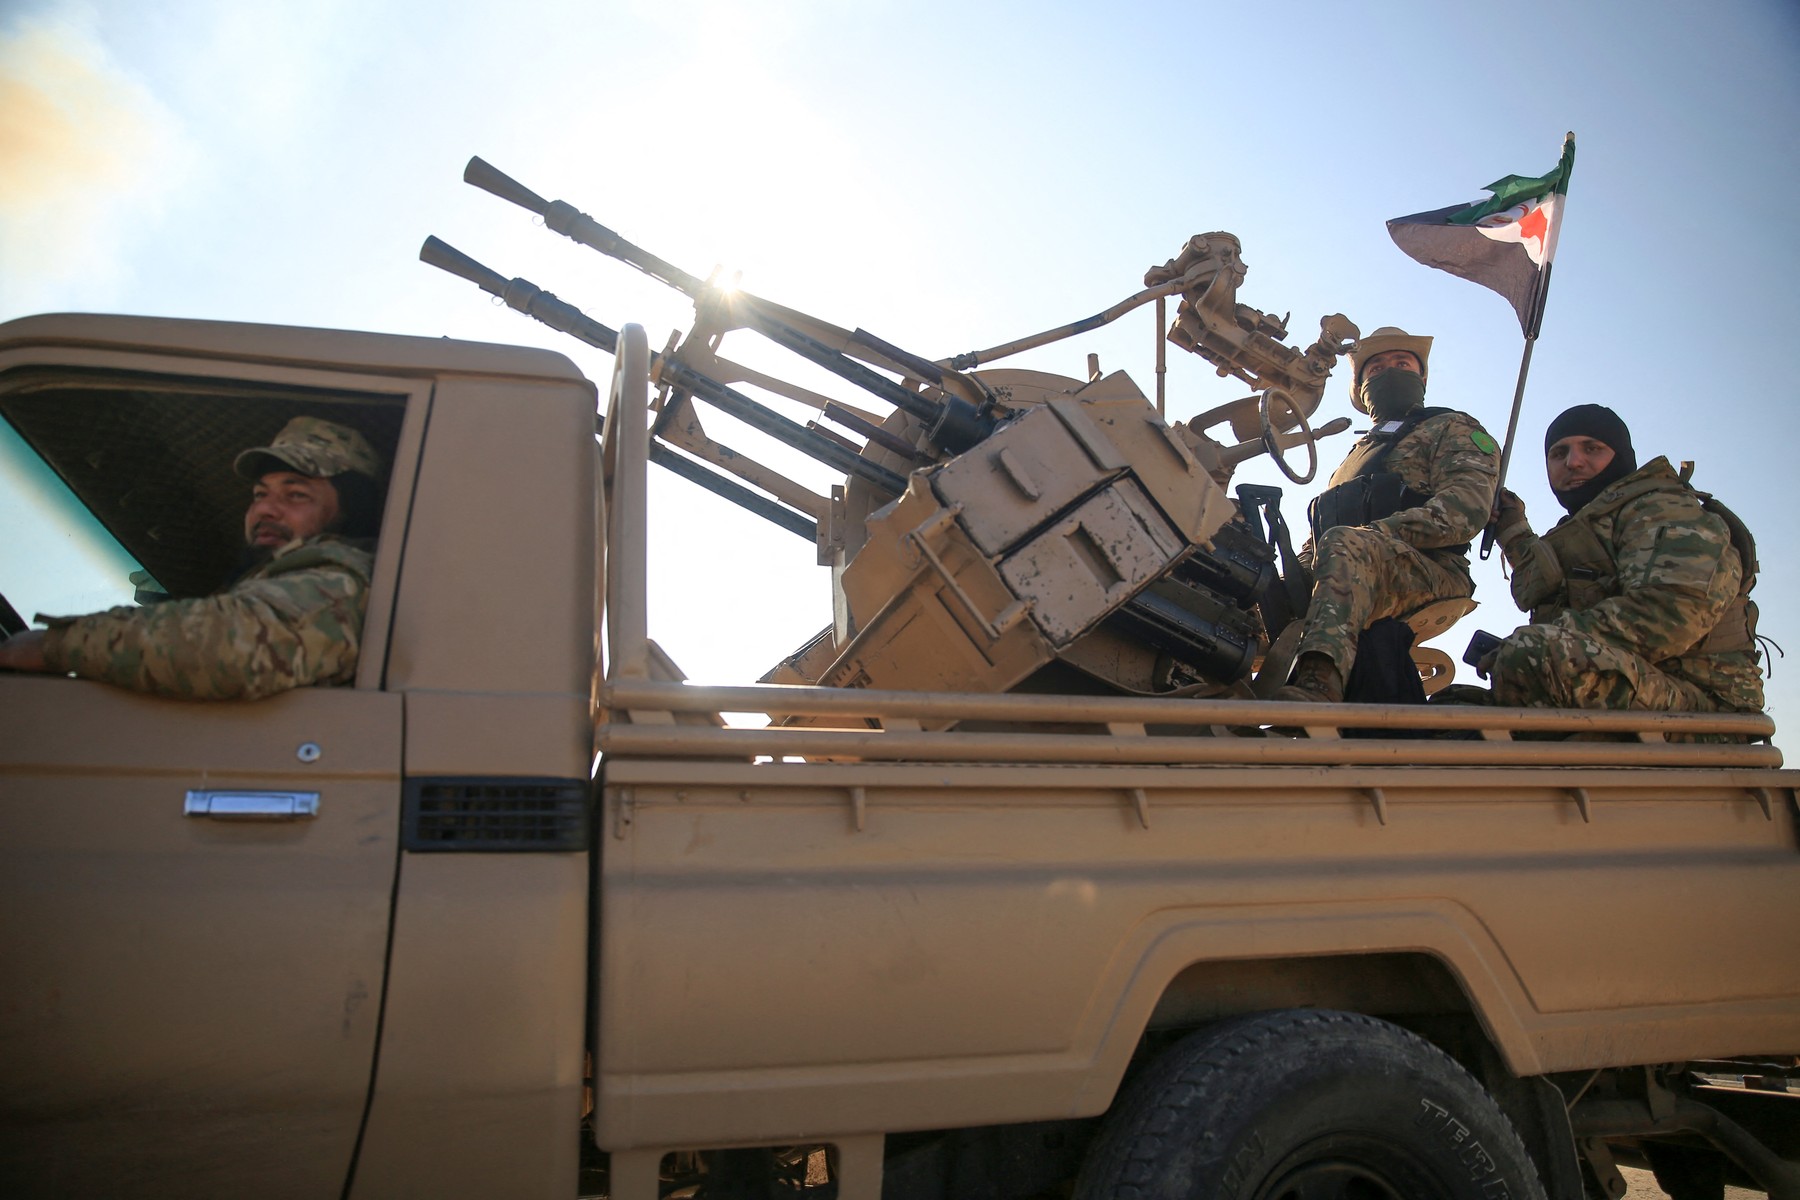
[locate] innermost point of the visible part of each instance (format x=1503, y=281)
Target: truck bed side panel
x=769, y=971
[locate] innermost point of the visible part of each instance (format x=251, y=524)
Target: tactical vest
x=1362, y=492
x=1591, y=573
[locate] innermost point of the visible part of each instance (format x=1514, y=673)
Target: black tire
x=1307, y=1105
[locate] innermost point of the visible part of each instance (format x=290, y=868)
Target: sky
x=950, y=176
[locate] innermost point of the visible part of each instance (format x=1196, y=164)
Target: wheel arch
x=1425, y=988
x=1414, y=989
x=1430, y=958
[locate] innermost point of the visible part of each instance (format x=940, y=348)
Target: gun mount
x=1241, y=341
x=997, y=528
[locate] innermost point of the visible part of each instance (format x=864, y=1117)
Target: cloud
x=83, y=150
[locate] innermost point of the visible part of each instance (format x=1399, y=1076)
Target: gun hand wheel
x=1265, y=410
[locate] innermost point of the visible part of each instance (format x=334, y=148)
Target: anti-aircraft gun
x=999, y=528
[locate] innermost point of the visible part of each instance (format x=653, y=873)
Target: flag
x=1505, y=242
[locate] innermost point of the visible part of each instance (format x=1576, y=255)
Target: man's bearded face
x=1574, y=461
x=286, y=506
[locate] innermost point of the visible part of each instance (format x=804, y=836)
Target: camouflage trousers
x=1548, y=666
x=1362, y=575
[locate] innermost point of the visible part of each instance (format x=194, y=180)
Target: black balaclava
x=1393, y=393
x=1603, y=425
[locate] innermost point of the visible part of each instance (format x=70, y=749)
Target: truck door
x=190, y=996
x=194, y=895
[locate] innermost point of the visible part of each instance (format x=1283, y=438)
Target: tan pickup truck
x=403, y=938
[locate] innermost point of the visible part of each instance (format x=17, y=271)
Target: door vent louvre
x=479, y=813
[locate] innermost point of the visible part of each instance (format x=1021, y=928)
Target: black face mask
x=1393, y=393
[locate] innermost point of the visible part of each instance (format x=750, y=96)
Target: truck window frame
x=281, y=390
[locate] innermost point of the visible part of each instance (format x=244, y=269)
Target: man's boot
x=1316, y=680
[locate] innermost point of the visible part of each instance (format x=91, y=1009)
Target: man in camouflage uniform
x=294, y=618
x=1638, y=598
x=1392, y=533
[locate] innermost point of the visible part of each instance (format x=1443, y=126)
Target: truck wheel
x=1307, y=1105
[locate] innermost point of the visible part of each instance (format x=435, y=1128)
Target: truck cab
x=245, y=937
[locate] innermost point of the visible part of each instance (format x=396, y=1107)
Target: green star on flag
x=1505, y=242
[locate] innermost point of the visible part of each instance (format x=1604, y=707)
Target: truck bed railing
x=624, y=494
x=1144, y=730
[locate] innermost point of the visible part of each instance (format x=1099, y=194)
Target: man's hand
x=23, y=652
x=1509, y=516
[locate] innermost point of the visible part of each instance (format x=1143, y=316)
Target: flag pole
x=1512, y=421
x=1532, y=324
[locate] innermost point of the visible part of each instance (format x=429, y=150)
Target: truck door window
x=117, y=487
x=56, y=556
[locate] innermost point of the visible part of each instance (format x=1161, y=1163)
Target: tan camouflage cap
x=311, y=446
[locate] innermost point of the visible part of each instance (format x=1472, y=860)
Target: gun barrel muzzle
x=445, y=257
x=489, y=178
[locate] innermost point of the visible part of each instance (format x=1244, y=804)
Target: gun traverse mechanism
x=999, y=528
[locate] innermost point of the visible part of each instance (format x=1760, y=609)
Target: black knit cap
x=1596, y=421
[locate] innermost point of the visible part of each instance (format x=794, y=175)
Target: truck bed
x=814, y=930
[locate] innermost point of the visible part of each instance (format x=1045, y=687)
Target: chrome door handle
x=252, y=806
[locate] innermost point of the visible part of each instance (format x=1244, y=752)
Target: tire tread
x=1149, y=1123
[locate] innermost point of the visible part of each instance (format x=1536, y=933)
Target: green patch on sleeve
x=1484, y=443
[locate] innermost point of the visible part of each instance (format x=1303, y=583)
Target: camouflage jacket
x=1645, y=569
x=292, y=621
x=1451, y=459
